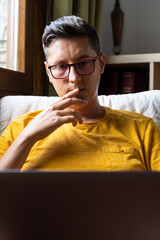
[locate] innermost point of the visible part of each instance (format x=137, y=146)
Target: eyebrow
x=76, y=59
x=84, y=56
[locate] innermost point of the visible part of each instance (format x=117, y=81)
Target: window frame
x=32, y=80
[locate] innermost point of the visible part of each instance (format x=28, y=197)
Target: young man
x=76, y=133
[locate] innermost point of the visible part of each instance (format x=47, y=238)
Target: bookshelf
x=149, y=62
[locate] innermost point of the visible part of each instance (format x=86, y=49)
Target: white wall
x=141, y=32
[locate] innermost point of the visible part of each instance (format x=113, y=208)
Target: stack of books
x=123, y=81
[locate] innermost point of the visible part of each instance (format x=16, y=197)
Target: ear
x=103, y=62
x=47, y=70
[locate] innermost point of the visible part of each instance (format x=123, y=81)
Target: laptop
x=79, y=205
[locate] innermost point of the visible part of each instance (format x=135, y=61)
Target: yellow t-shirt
x=121, y=140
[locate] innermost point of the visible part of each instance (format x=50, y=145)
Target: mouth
x=82, y=89
x=79, y=90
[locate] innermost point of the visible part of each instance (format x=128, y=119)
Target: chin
x=83, y=95
x=79, y=106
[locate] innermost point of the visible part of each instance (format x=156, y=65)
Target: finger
x=70, y=112
x=70, y=94
x=67, y=103
x=77, y=116
x=67, y=119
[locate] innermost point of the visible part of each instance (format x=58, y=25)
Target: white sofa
x=146, y=103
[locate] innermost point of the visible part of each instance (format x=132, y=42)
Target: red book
x=128, y=82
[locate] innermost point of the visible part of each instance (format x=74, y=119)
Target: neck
x=91, y=111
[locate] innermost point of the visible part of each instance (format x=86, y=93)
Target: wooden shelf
x=133, y=58
x=148, y=61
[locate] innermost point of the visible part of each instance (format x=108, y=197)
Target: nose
x=73, y=75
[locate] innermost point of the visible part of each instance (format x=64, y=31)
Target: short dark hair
x=70, y=27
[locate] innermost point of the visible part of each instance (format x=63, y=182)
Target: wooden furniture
x=148, y=62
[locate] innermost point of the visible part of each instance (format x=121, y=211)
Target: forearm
x=17, y=153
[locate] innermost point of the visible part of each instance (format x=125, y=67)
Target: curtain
x=89, y=10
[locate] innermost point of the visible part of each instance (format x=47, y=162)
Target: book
x=128, y=82
x=123, y=81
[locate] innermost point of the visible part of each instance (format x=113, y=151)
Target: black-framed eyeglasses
x=61, y=71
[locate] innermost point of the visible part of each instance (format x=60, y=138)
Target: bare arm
x=40, y=127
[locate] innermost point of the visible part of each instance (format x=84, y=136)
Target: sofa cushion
x=146, y=103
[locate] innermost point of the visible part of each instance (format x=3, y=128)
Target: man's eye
x=81, y=64
x=61, y=66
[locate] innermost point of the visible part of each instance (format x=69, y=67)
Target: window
x=3, y=33
x=22, y=69
x=12, y=34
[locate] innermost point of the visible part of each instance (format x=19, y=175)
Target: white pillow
x=146, y=103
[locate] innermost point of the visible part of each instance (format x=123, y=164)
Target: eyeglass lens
x=82, y=68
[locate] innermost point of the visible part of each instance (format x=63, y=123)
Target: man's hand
x=40, y=127
x=54, y=116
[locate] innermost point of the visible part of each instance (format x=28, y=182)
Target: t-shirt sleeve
x=14, y=129
x=9, y=135
x=152, y=146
